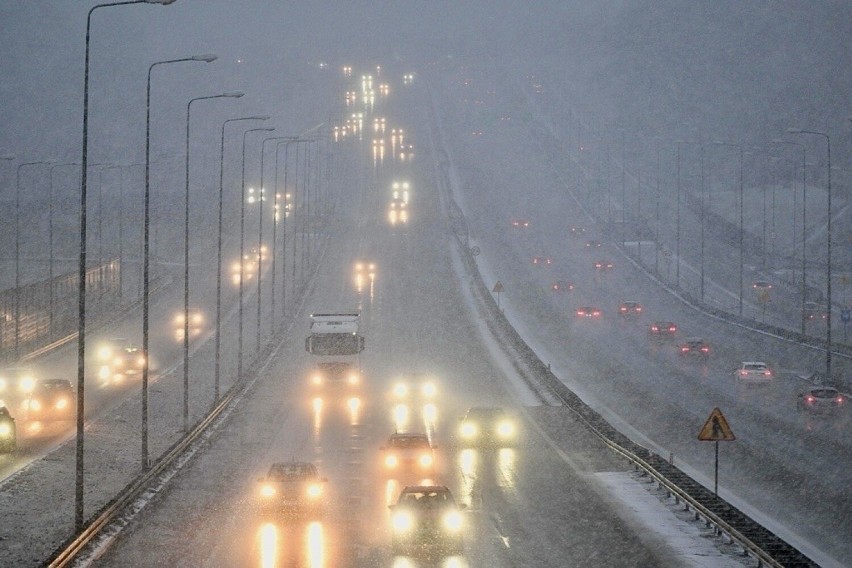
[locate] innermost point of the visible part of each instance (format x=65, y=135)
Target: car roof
x=54, y=382
x=695, y=340
x=663, y=322
x=754, y=363
x=824, y=390
x=408, y=436
x=426, y=489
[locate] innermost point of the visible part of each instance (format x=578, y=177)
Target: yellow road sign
x=716, y=429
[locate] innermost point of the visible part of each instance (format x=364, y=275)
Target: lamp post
x=275, y=208
x=742, y=232
x=217, y=371
x=81, y=274
x=804, y=222
x=828, y=251
x=260, y=233
x=18, y=252
x=234, y=94
x=146, y=247
x=231, y=94
x=242, y=252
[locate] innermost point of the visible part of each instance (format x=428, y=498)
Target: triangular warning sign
x=498, y=287
x=716, y=429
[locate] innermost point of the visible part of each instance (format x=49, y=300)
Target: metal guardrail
x=755, y=539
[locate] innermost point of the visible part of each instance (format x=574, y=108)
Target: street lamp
x=18, y=252
x=275, y=213
x=742, y=231
x=81, y=276
x=260, y=233
x=828, y=250
x=146, y=241
x=230, y=94
x=242, y=252
x=804, y=219
x=217, y=371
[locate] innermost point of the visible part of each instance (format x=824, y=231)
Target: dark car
x=662, y=329
x=630, y=309
x=8, y=439
x=820, y=398
x=52, y=399
x=593, y=245
x=520, y=223
x=409, y=453
x=292, y=487
x=603, y=265
x=427, y=518
x=562, y=286
x=487, y=426
x=335, y=372
x=542, y=260
x=694, y=347
x=588, y=312
x=576, y=231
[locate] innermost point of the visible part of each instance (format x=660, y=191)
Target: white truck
x=334, y=334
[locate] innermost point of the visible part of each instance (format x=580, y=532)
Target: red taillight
x=623, y=309
x=654, y=328
x=580, y=312
x=684, y=349
x=840, y=399
x=809, y=399
x=705, y=349
x=744, y=373
x=639, y=309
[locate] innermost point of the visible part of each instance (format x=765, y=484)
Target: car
x=588, y=312
x=754, y=371
x=400, y=189
x=820, y=397
x=662, y=329
x=562, y=286
x=762, y=285
x=630, y=309
x=542, y=260
x=814, y=311
x=414, y=384
x=292, y=488
x=16, y=384
x=593, y=245
x=335, y=373
x=196, y=323
x=397, y=212
x=487, y=426
x=427, y=518
x=409, y=453
x=576, y=231
x=8, y=438
x=694, y=347
x=118, y=357
x=603, y=265
x=520, y=223
x=52, y=399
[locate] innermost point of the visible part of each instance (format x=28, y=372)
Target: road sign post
x=498, y=288
x=845, y=316
x=716, y=429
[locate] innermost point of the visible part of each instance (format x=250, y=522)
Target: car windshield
x=291, y=471
x=57, y=384
x=824, y=393
x=754, y=367
x=409, y=442
x=427, y=498
x=484, y=413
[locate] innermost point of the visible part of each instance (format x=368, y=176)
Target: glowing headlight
x=267, y=491
x=468, y=430
x=505, y=429
x=453, y=521
x=27, y=384
x=400, y=389
x=35, y=405
x=391, y=461
x=2, y=384
x=314, y=491
x=104, y=372
x=353, y=379
x=5, y=430
x=353, y=404
x=104, y=353
x=425, y=460
x=402, y=522
x=429, y=389
x=317, y=380
x=62, y=403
